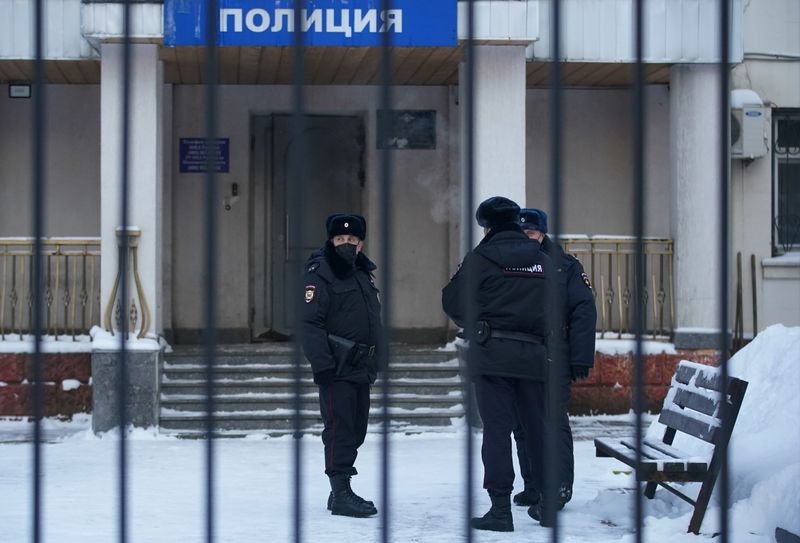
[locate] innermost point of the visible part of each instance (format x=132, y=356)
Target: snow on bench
x=692, y=406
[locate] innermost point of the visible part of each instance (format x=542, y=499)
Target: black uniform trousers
x=565, y=460
x=344, y=406
x=502, y=401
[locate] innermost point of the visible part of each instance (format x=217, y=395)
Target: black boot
x=330, y=500
x=538, y=512
x=564, y=495
x=537, y=508
x=498, y=518
x=526, y=498
x=343, y=501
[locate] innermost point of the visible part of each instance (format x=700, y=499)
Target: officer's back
x=510, y=272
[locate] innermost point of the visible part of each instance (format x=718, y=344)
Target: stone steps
x=266, y=402
x=254, y=391
x=176, y=372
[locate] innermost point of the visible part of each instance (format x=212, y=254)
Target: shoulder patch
x=586, y=280
x=311, y=290
x=313, y=267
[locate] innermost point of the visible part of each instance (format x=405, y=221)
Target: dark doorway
x=335, y=182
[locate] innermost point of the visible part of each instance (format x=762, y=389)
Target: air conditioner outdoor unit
x=749, y=132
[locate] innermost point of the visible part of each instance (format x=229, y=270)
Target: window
x=786, y=180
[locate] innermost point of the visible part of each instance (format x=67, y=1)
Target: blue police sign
x=410, y=23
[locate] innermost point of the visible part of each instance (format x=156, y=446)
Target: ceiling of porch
x=330, y=66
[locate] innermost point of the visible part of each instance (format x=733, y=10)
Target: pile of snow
x=764, y=459
x=765, y=447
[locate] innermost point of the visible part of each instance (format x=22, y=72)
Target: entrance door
x=335, y=179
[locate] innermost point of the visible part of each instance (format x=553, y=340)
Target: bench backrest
x=692, y=404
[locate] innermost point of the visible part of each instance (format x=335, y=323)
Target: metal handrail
x=609, y=263
x=71, y=288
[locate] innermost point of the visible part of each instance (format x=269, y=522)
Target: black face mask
x=347, y=252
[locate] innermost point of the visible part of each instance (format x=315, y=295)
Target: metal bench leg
x=650, y=490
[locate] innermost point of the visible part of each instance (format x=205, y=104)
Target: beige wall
x=72, y=155
x=421, y=236
x=597, y=194
x=597, y=175
x=770, y=26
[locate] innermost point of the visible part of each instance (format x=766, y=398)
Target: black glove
x=579, y=372
x=325, y=377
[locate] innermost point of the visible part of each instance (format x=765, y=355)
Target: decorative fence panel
x=71, y=293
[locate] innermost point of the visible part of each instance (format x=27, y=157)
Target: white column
x=694, y=175
x=499, y=125
x=145, y=172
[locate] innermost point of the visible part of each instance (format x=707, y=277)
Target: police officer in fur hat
x=341, y=332
x=577, y=357
x=505, y=278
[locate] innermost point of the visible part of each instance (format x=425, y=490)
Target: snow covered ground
x=254, y=493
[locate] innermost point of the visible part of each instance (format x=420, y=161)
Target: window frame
x=777, y=115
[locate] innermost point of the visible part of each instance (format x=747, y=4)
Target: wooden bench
x=692, y=407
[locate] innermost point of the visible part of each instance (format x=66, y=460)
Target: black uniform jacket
x=580, y=314
x=510, y=272
x=342, y=301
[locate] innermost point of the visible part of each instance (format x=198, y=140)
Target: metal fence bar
x=471, y=275
x=38, y=231
x=554, y=295
x=724, y=253
x=296, y=193
x=386, y=239
x=122, y=366
x=210, y=284
x=639, y=279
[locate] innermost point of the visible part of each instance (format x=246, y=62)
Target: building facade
x=84, y=140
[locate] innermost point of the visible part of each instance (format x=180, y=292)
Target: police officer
x=578, y=334
x=341, y=328
x=505, y=277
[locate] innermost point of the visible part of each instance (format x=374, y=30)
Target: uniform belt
x=519, y=336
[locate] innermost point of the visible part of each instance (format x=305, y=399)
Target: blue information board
x=194, y=155
x=410, y=23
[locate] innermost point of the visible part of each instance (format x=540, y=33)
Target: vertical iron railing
x=724, y=253
x=38, y=157
x=122, y=366
x=210, y=283
x=296, y=194
x=386, y=271
x=639, y=258
x=555, y=296
x=471, y=278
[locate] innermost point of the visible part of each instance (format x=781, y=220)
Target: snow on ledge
x=50, y=344
x=98, y=340
x=104, y=341
x=788, y=260
x=625, y=346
